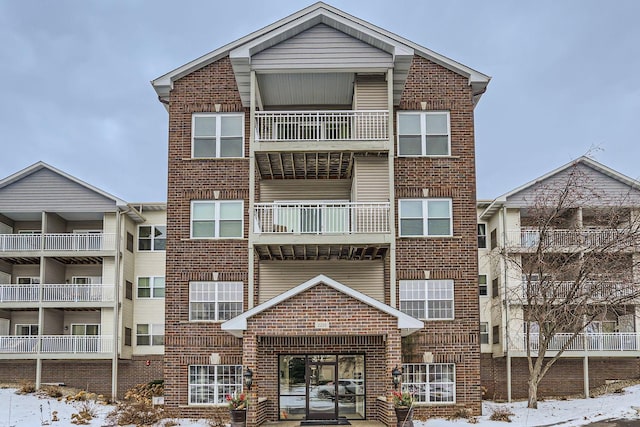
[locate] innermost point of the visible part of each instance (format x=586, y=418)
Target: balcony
x=61, y=242
x=341, y=230
x=64, y=293
x=595, y=290
x=49, y=344
x=561, y=239
x=312, y=144
x=594, y=342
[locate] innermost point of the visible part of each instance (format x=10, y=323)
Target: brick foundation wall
x=564, y=378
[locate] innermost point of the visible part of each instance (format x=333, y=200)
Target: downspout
x=252, y=189
x=116, y=303
x=506, y=301
x=392, y=204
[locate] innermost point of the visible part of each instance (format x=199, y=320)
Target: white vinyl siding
x=217, y=135
x=424, y=133
x=312, y=189
x=370, y=93
x=371, y=179
x=363, y=276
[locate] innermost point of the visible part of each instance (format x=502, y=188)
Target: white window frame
x=217, y=136
x=216, y=219
x=419, y=379
x=84, y=325
x=485, y=333
x=485, y=235
x=30, y=326
x=152, y=238
x=485, y=284
x=413, y=294
x=424, y=132
x=154, y=330
x=217, y=294
x=152, y=287
x=218, y=391
x=425, y=217
x=33, y=280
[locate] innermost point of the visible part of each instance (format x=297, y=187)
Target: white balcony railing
x=57, y=293
x=592, y=289
x=321, y=218
x=57, y=344
x=615, y=341
x=58, y=242
x=561, y=238
x=369, y=125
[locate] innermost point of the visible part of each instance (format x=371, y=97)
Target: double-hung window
x=151, y=287
x=217, y=135
x=149, y=334
x=217, y=219
x=215, y=301
x=424, y=133
x=484, y=333
x=430, y=382
x=152, y=237
x=425, y=217
x=427, y=299
x=211, y=384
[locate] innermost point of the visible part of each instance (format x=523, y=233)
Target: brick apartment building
x=321, y=224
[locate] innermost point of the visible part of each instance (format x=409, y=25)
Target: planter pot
x=238, y=417
x=404, y=417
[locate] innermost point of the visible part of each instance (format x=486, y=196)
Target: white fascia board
x=406, y=323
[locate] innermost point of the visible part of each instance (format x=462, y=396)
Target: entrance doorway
x=321, y=386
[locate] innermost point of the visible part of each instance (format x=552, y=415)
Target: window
x=127, y=336
x=482, y=236
x=495, y=288
x=495, y=331
x=425, y=217
x=149, y=334
x=27, y=329
x=427, y=299
x=484, y=333
x=128, y=290
x=85, y=329
x=129, y=242
x=150, y=287
x=482, y=285
x=430, y=382
x=423, y=134
x=213, y=219
x=218, y=135
x=152, y=237
x=28, y=280
x=494, y=238
x=210, y=384
x=215, y=300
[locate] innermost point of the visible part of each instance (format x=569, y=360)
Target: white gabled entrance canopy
x=406, y=323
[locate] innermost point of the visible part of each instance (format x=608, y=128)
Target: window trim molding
x=216, y=301
x=151, y=334
x=423, y=132
x=216, y=385
x=218, y=133
x=151, y=238
x=426, y=299
x=428, y=383
x=425, y=219
x=151, y=287
x=217, y=220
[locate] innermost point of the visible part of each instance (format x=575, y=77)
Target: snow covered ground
x=31, y=411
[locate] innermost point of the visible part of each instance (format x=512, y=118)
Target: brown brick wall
x=564, y=378
x=454, y=341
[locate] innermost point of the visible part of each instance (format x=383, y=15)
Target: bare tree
x=576, y=254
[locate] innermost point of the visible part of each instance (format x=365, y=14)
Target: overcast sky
x=76, y=94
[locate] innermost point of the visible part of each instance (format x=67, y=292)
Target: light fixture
x=248, y=378
x=396, y=375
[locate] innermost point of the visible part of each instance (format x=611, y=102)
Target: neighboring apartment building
x=81, y=284
x=609, y=349
x=321, y=224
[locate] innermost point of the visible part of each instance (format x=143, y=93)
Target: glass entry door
x=321, y=387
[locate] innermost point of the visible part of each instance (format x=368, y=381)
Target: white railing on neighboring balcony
x=57, y=293
x=525, y=238
x=370, y=125
x=57, y=344
x=321, y=218
x=614, y=341
x=592, y=289
x=58, y=242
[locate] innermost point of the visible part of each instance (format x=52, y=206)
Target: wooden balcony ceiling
x=21, y=260
x=288, y=165
x=320, y=252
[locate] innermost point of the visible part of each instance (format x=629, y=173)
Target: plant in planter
x=403, y=404
x=238, y=408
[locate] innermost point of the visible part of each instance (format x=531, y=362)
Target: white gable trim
x=406, y=323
